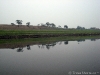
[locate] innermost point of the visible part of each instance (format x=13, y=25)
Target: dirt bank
x=22, y=27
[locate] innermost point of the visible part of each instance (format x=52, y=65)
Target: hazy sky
x=85, y=13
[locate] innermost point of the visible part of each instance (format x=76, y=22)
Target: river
x=81, y=57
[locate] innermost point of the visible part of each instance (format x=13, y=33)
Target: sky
x=73, y=13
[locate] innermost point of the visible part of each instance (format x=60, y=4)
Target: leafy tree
x=19, y=22
x=65, y=26
x=48, y=24
x=28, y=23
x=83, y=28
x=12, y=24
x=59, y=26
x=53, y=25
x=38, y=25
x=79, y=27
x=43, y=24
x=93, y=28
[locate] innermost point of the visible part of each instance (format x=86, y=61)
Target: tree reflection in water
x=39, y=46
x=42, y=46
x=93, y=39
x=65, y=42
x=20, y=49
x=60, y=42
x=48, y=46
x=28, y=47
x=82, y=40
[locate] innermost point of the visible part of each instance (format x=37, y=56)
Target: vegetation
x=12, y=24
x=45, y=30
x=47, y=40
x=28, y=23
x=79, y=27
x=65, y=26
x=19, y=22
x=48, y=32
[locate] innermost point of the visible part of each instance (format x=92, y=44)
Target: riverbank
x=19, y=34
x=23, y=31
x=15, y=43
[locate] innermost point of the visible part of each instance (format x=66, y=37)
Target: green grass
x=42, y=32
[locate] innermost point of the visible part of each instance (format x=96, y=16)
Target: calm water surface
x=80, y=57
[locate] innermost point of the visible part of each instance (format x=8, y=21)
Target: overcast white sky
x=85, y=13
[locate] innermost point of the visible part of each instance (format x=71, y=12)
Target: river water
x=80, y=57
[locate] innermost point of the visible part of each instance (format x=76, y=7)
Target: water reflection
x=51, y=58
x=47, y=46
x=93, y=39
x=42, y=46
x=50, y=45
x=66, y=42
x=60, y=42
x=20, y=49
x=81, y=40
x=28, y=47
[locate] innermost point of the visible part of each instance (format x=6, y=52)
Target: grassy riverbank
x=43, y=32
x=51, y=39
x=15, y=43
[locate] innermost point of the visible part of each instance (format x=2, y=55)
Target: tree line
x=19, y=22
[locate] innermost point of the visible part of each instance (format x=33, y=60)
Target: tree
x=65, y=26
x=19, y=22
x=83, y=27
x=93, y=28
x=12, y=24
x=79, y=27
x=43, y=24
x=28, y=23
x=38, y=25
x=48, y=24
x=53, y=25
x=59, y=26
